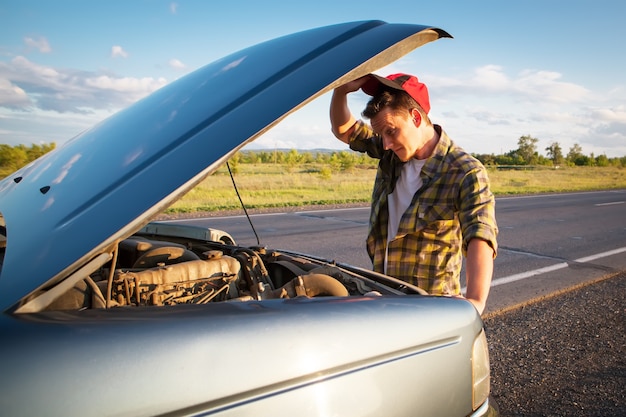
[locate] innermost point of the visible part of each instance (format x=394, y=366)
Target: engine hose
x=312, y=285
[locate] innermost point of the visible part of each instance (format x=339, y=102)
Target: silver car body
x=238, y=331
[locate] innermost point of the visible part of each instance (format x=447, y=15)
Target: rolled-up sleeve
x=363, y=139
x=477, y=214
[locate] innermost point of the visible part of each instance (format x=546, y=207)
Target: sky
x=551, y=69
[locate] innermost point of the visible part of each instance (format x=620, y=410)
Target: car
x=107, y=312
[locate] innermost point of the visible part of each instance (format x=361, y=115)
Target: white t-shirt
x=398, y=201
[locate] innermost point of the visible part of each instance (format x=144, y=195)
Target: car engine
x=150, y=271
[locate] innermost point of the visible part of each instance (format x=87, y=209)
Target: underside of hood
x=67, y=209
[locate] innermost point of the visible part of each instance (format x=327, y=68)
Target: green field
x=281, y=185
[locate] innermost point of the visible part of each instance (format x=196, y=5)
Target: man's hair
x=398, y=101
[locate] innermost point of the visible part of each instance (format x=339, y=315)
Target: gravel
x=564, y=355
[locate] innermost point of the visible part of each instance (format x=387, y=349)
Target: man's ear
x=417, y=117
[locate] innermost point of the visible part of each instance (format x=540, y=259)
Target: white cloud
x=43, y=104
x=530, y=86
x=546, y=85
x=11, y=95
x=137, y=87
x=615, y=114
x=173, y=7
x=21, y=67
x=40, y=44
x=46, y=126
x=34, y=86
x=606, y=130
x=118, y=51
x=176, y=64
x=490, y=117
x=291, y=135
x=491, y=78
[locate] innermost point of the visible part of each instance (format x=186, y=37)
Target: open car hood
x=67, y=209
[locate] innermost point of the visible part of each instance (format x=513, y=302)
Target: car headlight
x=480, y=370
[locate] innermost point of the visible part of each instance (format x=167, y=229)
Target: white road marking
x=534, y=272
x=601, y=255
x=609, y=204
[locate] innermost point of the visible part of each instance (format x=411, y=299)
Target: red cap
x=405, y=82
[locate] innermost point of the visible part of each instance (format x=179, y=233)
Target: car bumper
x=488, y=409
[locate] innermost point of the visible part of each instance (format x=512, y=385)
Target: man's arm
x=341, y=119
x=478, y=272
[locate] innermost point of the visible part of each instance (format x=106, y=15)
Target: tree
x=602, y=161
x=322, y=157
x=575, y=154
x=591, y=160
x=335, y=162
x=306, y=158
x=266, y=157
x=486, y=159
x=252, y=157
x=234, y=161
x=511, y=158
x=13, y=158
x=35, y=151
x=555, y=153
x=292, y=158
x=527, y=149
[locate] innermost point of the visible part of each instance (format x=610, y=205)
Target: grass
x=550, y=180
x=281, y=185
x=266, y=185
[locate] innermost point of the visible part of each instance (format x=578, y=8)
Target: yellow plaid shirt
x=453, y=206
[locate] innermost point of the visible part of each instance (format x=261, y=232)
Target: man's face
x=399, y=132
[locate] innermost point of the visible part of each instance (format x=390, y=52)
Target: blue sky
x=551, y=69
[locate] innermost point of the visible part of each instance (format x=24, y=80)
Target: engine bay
x=151, y=270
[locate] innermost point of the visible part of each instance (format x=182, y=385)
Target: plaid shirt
x=453, y=206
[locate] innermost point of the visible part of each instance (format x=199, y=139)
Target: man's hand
x=352, y=86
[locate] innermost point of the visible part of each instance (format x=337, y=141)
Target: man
x=431, y=201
